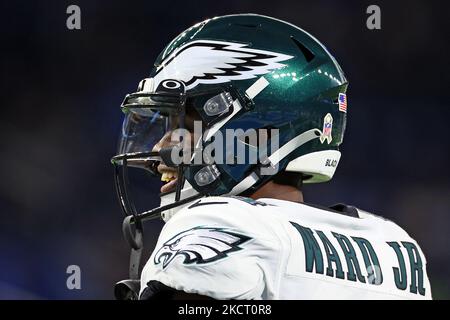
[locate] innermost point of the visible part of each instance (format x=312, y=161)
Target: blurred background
x=60, y=118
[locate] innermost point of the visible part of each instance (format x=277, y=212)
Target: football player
x=237, y=226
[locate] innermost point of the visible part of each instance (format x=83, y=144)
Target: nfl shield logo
x=327, y=128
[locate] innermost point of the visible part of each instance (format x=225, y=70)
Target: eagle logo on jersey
x=199, y=245
x=208, y=61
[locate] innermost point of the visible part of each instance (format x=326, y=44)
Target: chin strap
x=133, y=232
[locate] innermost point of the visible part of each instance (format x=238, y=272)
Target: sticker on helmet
x=208, y=61
x=342, y=99
x=327, y=128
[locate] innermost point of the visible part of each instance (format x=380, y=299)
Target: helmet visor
x=143, y=134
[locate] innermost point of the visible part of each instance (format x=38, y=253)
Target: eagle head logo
x=199, y=245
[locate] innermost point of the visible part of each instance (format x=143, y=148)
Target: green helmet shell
x=303, y=85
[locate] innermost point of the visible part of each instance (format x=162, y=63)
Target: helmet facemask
x=162, y=134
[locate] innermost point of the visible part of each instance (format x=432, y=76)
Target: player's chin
x=169, y=186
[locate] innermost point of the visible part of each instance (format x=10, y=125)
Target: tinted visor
x=149, y=119
x=144, y=133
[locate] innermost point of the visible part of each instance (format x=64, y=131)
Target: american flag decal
x=342, y=102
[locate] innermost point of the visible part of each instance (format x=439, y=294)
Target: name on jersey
x=326, y=260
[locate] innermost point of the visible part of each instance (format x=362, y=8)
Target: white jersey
x=238, y=248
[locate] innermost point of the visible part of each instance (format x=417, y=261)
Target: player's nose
x=165, y=141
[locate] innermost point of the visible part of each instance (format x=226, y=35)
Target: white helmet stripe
x=293, y=144
x=276, y=157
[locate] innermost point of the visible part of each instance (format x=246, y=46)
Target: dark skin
x=278, y=191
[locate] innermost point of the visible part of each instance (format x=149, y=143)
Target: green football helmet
x=236, y=72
